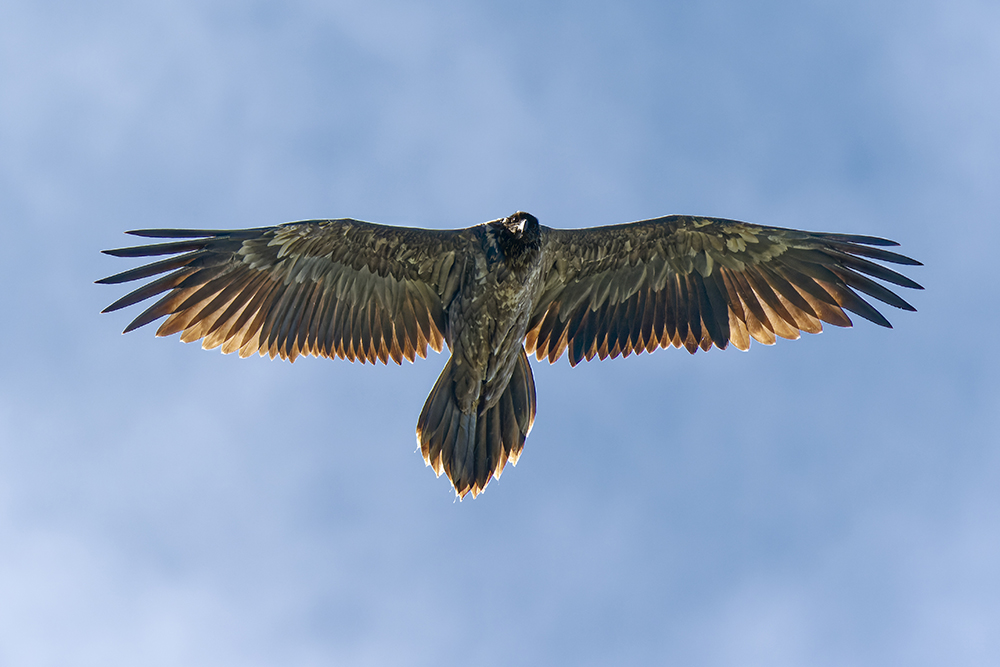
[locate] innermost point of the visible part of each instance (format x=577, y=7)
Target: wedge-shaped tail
x=473, y=448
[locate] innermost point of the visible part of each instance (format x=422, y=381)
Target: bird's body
x=489, y=317
x=475, y=418
x=497, y=292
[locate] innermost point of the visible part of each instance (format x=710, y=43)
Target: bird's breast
x=488, y=319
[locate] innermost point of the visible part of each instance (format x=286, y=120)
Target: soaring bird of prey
x=497, y=292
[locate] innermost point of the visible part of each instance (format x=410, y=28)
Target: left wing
x=695, y=282
x=333, y=288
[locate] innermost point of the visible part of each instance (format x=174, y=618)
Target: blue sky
x=828, y=501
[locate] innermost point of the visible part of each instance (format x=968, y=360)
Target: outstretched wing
x=328, y=288
x=695, y=282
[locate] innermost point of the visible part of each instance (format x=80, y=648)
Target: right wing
x=696, y=282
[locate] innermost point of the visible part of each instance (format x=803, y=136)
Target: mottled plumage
x=497, y=292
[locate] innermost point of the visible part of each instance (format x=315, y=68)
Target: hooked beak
x=516, y=224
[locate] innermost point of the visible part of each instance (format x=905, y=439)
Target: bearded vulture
x=495, y=293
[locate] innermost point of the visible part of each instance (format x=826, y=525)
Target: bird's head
x=517, y=236
x=519, y=224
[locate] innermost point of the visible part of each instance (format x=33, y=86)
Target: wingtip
x=132, y=251
x=879, y=241
x=133, y=326
x=903, y=304
x=193, y=233
x=860, y=239
x=171, y=233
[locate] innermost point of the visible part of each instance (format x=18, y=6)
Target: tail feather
x=473, y=448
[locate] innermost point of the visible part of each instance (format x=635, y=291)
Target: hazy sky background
x=828, y=501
